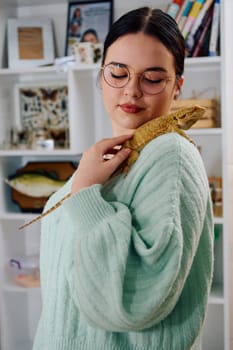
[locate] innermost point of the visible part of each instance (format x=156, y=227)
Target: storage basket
x=215, y=184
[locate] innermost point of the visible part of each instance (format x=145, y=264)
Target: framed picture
x=42, y=111
x=87, y=21
x=30, y=42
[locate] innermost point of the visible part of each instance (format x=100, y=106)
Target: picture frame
x=42, y=112
x=87, y=21
x=30, y=42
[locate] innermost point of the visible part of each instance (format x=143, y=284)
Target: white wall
x=122, y=6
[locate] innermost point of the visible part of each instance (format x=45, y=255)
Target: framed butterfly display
x=43, y=107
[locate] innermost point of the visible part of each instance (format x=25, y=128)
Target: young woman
x=126, y=262
x=76, y=23
x=90, y=36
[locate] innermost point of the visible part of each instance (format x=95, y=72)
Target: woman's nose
x=132, y=88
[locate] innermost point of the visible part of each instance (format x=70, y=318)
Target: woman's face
x=91, y=38
x=128, y=106
x=77, y=13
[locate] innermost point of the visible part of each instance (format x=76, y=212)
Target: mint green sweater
x=128, y=265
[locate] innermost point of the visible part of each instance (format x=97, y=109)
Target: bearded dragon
x=177, y=121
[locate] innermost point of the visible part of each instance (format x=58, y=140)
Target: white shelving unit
x=20, y=307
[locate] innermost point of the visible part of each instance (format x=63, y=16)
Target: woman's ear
x=179, y=84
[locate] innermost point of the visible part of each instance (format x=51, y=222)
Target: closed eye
x=153, y=81
x=122, y=76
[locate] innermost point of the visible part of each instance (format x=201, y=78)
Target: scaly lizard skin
x=177, y=121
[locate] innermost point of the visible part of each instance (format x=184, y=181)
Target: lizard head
x=186, y=117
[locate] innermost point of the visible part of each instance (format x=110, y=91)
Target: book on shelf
x=179, y=13
x=199, y=22
x=202, y=47
x=174, y=8
x=214, y=34
x=191, y=39
x=201, y=36
x=185, y=12
x=192, y=16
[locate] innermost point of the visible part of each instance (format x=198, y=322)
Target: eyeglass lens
x=151, y=81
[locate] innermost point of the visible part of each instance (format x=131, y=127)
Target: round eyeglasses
x=152, y=81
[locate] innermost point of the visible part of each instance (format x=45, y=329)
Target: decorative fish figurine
x=34, y=184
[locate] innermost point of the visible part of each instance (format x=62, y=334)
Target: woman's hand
x=94, y=168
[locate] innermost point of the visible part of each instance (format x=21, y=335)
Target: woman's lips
x=129, y=108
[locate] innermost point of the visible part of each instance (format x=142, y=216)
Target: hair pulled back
x=153, y=22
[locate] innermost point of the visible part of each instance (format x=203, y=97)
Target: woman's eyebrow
x=157, y=69
x=154, y=68
x=118, y=64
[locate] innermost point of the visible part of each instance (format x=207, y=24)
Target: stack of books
x=199, y=22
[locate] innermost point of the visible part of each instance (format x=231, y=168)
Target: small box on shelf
x=26, y=271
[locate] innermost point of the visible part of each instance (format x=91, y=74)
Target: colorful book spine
x=197, y=5
x=174, y=8
x=202, y=50
x=198, y=25
x=214, y=29
x=185, y=14
x=204, y=36
x=180, y=12
x=201, y=15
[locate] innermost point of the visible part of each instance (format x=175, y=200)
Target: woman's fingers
x=113, y=143
x=100, y=161
x=115, y=160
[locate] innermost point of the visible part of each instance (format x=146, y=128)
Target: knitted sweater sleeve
x=131, y=260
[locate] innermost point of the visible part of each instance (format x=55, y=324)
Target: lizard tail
x=46, y=212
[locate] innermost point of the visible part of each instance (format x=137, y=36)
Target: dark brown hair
x=153, y=22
